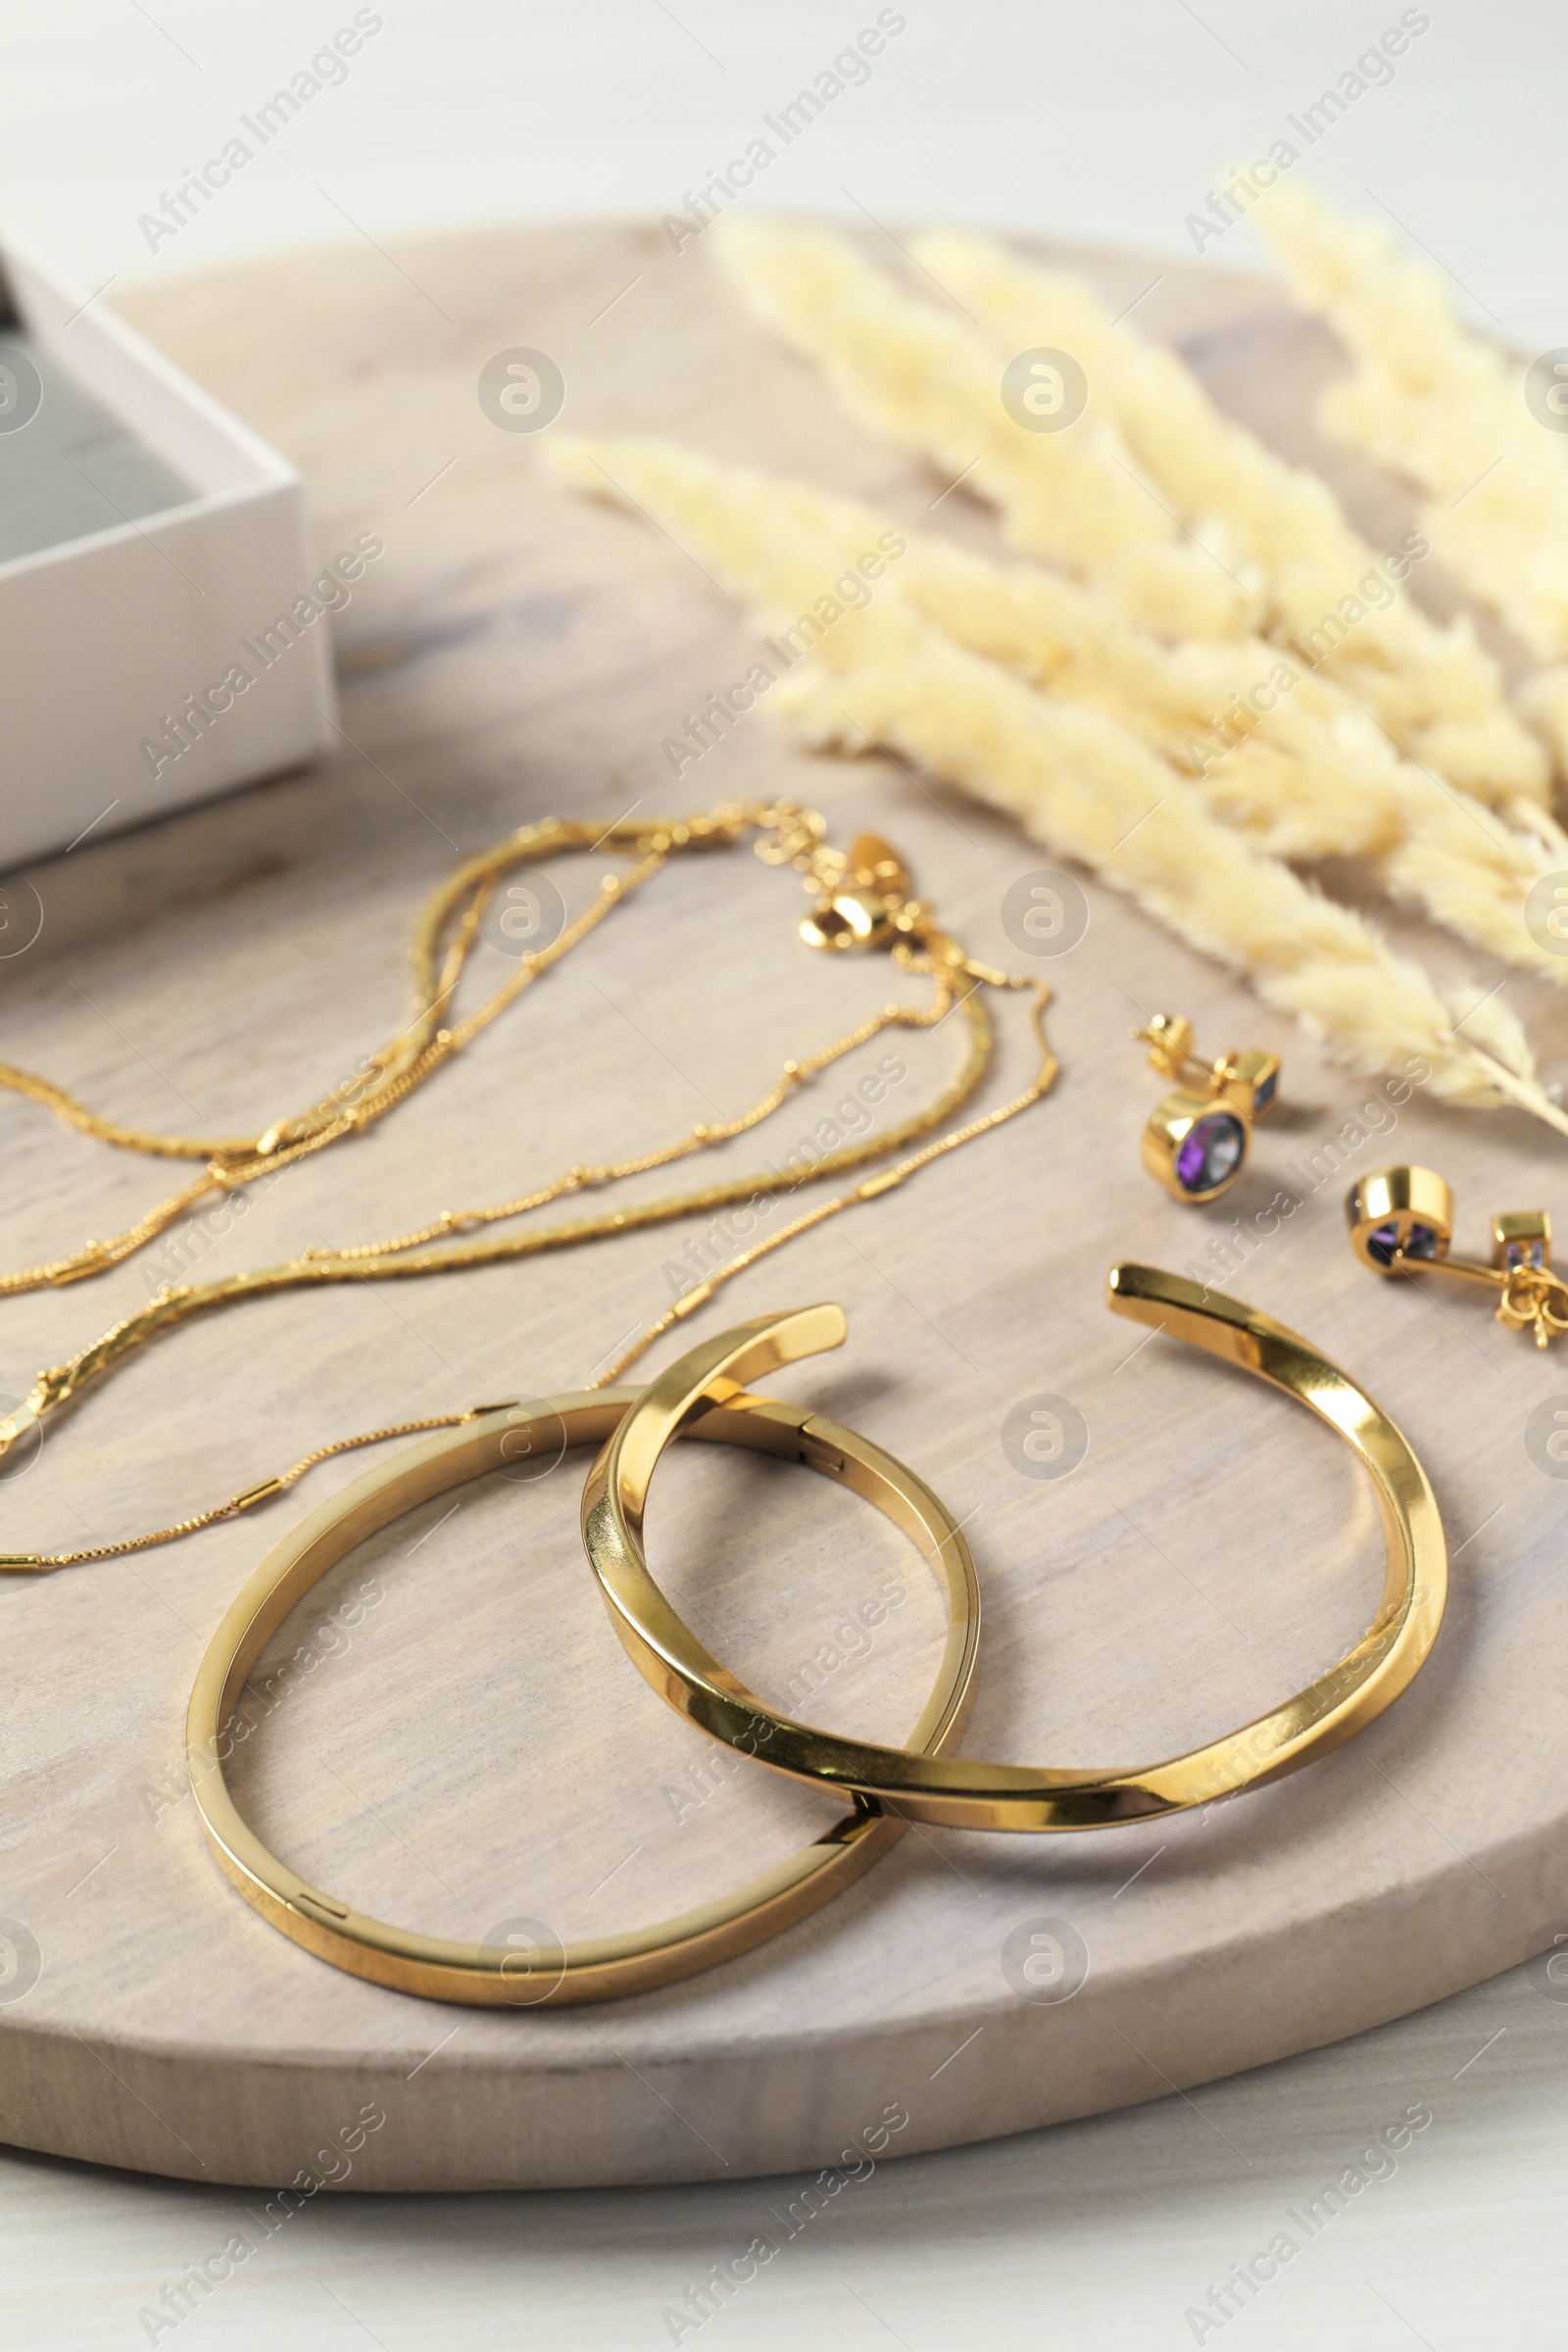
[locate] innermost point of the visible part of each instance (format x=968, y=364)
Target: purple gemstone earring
x=1400, y=1221
x=1196, y=1141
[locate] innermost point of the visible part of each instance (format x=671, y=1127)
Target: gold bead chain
x=862, y=899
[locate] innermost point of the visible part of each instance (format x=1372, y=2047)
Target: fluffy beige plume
x=1436, y=692
x=921, y=376
x=1081, y=784
x=1447, y=409
x=1090, y=791
x=1543, y=697
x=1312, y=778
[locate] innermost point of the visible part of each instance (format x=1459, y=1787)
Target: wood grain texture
x=481, y=1749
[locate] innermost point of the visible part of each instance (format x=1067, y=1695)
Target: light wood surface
x=482, y=1750
x=1101, y=2234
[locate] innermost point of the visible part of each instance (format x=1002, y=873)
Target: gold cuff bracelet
x=1007, y=1796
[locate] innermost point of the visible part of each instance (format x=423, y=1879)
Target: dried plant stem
x=1447, y=409
x=919, y=375
x=1090, y=791
x=1312, y=776
x=1085, y=785
x=1438, y=692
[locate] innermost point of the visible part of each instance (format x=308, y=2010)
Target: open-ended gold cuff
x=954, y=1791
x=549, y=1971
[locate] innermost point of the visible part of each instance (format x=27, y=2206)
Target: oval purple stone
x=1209, y=1152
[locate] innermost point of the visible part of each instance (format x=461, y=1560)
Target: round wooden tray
x=469, y=1745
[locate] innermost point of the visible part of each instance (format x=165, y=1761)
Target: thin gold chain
x=177, y=1303
x=872, y=1187
x=703, y=1137
x=267, y=1487
x=422, y=1044
x=791, y=835
x=394, y=1070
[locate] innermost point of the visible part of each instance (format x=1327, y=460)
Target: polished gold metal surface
x=557, y=1974
x=1182, y=1122
x=1246, y=1077
x=961, y=1794
x=868, y=905
x=1399, y=1217
x=1402, y=1220
x=1195, y=1141
x=1170, y=1041
x=1521, y=1237
x=789, y=834
x=1250, y=1078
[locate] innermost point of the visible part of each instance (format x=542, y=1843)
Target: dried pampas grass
x=916, y=372
x=1435, y=690
x=1447, y=409
x=1074, y=777
x=1312, y=777
x=1082, y=783
x=1277, y=534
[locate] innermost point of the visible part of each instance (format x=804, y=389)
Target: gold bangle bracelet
x=494, y=1976
x=1006, y=1796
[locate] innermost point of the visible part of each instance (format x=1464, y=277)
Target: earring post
x=1532, y=1299
x=1464, y=1269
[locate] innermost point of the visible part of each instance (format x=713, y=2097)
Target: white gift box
x=161, y=639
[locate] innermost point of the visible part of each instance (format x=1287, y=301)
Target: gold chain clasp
x=866, y=903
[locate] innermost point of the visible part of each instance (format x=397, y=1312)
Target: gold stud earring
x=1402, y=1221
x=1196, y=1141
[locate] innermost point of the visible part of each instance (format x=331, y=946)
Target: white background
x=1106, y=121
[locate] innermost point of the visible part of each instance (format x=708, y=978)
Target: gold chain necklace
x=862, y=901
x=394, y=1069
